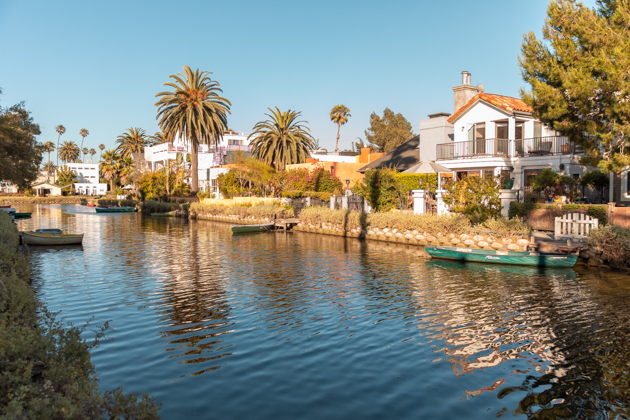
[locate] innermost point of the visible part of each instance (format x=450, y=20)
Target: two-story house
x=87, y=175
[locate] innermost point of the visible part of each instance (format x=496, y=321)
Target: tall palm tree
x=133, y=141
x=157, y=138
x=84, y=133
x=282, y=139
x=85, y=152
x=69, y=151
x=124, y=167
x=92, y=152
x=49, y=146
x=339, y=115
x=194, y=111
x=50, y=168
x=109, y=167
x=59, y=129
x=101, y=147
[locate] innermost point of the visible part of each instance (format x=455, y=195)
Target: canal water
x=308, y=326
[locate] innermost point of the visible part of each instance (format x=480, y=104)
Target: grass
x=261, y=211
x=45, y=365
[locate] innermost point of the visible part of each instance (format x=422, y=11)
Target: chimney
x=464, y=92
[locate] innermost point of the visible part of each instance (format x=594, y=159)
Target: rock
x=497, y=245
x=430, y=238
x=490, y=239
x=414, y=233
x=398, y=235
x=464, y=237
x=388, y=234
x=394, y=231
x=439, y=235
x=412, y=241
x=522, y=242
x=482, y=244
x=444, y=240
x=420, y=237
x=450, y=235
x=455, y=241
x=386, y=230
x=423, y=243
x=478, y=238
x=469, y=242
x=379, y=233
x=409, y=236
x=513, y=247
x=588, y=254
x=506, y=241
x=595, y=262
x=371, y=232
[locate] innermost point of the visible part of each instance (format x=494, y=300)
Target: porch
x=505, y=148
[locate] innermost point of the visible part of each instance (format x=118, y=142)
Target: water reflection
x=275, y=325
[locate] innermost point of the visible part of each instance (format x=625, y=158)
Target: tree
x=84, y=133
x=69, y=151
x=101, y=147
x=133, y=141
x=476, y=197
x=48, y=147
x=60, y=129
x=50, y=168
x=151, y=184
x=124, y=168
x=282, y=139
x=85, y=152
x=194, y=111
x=339, y=115
x=389, y=132
x=579, y=78
x=92, y=152
x=20, y=155
x=65, y=176
x=157, y=138
x=109, y=167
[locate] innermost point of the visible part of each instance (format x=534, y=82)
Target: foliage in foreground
x=261, y=211
x=614, y=242
x=430, y=224
x=45, y=365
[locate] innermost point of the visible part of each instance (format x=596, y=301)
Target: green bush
x=475, y=197
x=259, y=211
x=504, y=227
x=151, y=206
x=613, y=242
x=411, y=181
x=45, y=365
x=599, y=211
x=324, y=196
x=381, y=190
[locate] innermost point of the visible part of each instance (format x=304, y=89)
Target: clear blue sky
x=98, y=65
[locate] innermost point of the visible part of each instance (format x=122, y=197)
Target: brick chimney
x=464, y=92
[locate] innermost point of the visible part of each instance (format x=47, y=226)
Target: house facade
x=87, y=175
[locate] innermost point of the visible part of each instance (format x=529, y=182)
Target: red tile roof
x=506, y=102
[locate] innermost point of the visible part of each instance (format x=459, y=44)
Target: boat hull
x=252, y=228
x=32, y=238
x=167, y=214
x=115, y=209
x=501, y=257
x=21, y=215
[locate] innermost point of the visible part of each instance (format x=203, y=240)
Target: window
x=480, y=131
x=537, y=129
x=518, y=131
x=501, y=130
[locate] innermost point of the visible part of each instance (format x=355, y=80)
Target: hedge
x=324, y=196
x=44, y=364
x=261, y=211
x=598, y=211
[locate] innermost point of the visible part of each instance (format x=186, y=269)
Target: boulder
x=464, y=237
x=482, y=244
x=522, y=242
x=415, y=232
x=386, y=230
x=371, y=232
x=379, y=233
x=409, y=236
x=389, y=234
x=497, y=245
x=506, y=241
x=430, y=238
x=455, y=241
x=398, y=235
x=478, y=238
x=469, y=242
x=513, y=247
x=420, y=237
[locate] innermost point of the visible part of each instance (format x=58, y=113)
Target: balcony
x=487, y=148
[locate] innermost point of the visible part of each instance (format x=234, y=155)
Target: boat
x=50, y=237
x=90, y=205
x=252, y=228
x=8, y=209
x=115, y=209
x=22, y=215
x=502, y=257
x=167, y=214
x=5, y=207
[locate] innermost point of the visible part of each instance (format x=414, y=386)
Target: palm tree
x=194, y=111
x=92, y=152
x=109, y=167
x=282, y=139
x=157, y=138
x=339, y=115
x=133, y=141
x=49, y=146
x=101, y=147
x=84, y=133
x=50, y=168
x=69, y=151
x=59, y=129
x=124, y=167
x=85, y=152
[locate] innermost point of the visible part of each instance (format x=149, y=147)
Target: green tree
x=282, y=139
x=109, y=167
x=20, y=155
x=578, y=76
x=50, y=168
x=388, y=132
x=48, y=147
x=151, y=185
x=380, y=189
x=476, y=197
x=101, y=147
x=339, y=115
x=84, y=133
x=124, y=169
x=60, y=129
x=194, y=111
x=69, y=151
x=157, y=138
x=65, y=176
x=546, y=178
x=133, y=141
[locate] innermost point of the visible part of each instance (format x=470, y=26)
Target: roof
x=48, y=184
x=401, y=158
x=506, y=102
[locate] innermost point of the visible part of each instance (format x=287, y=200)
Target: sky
x=99, y=65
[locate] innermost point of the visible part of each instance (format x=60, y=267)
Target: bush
x=504, y=227
x=260, y=211
x=151, y=206
x=319, y=180
x=599, y=211
x=476, y=197
x=411, y=181
x=45, y=365
x=613, y=242
x=324, y=196
x=381, y=190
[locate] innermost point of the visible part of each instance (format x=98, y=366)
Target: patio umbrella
x=428, y=167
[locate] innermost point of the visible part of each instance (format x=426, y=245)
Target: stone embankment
x=41, y=200
x=232, y=219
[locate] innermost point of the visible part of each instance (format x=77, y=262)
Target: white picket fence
x=577, y=225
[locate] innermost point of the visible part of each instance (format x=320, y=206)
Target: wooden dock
x=285, y=224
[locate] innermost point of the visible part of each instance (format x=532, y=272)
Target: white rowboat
x=51, y=237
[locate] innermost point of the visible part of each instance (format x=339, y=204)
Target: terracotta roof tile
x=506, y=102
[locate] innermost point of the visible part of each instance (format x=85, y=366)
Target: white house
x=499, y=135
x=88, y=179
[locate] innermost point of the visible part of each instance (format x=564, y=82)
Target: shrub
x=151, y=206
x=324, y=196
x=259, y=212
x=381, y=190
x=613, y=242
x=476, y=197
x=318, y=180
x=502, y=226
x=411, y=181
x=599, y=211
x=45, y=365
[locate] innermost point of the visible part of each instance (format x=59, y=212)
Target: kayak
x=252, y=228
x=115, y=209
x=167, y=214
x=22, y=215
x=501, y=257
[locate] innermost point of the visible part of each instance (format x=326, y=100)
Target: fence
x=575, y=224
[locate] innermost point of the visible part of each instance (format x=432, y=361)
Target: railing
x=484, y=148
x=169, y=148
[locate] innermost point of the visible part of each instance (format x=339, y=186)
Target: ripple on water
x=308, y=326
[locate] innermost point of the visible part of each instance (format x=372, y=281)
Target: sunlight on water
x=308, y=326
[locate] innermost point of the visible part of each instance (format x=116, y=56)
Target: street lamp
x=347, y=187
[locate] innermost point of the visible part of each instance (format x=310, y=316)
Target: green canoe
x=115, y=209
x=501, y=257
x=252, y=228
x=167, y=214
x=21, y=215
